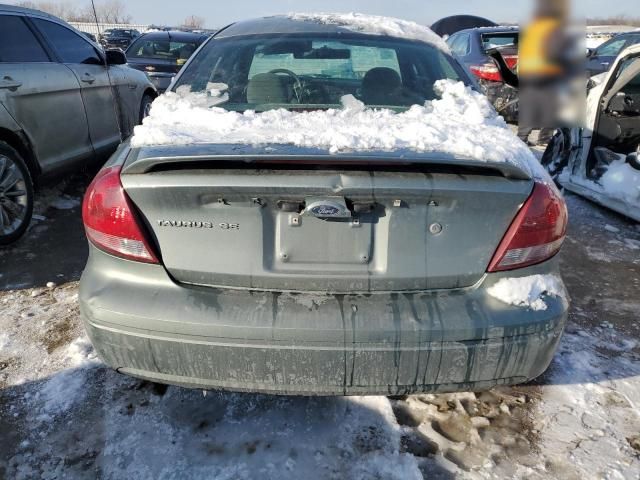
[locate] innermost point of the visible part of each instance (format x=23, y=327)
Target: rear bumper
x=144, y=324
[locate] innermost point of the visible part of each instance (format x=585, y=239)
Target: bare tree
x=59, y=9
x=617, y=20
x=108, y=11
x=112, y=11
x=194, y=22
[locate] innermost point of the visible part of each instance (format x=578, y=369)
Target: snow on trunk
x=461, y=123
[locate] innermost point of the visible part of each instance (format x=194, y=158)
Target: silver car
x=296, y=270
x=63, y=102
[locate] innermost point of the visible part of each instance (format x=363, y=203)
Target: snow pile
x=64, y=389
x=527, y=291
x=461, y=123
x=375, y=25
x=622, y=181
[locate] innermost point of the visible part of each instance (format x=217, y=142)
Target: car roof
x=178, y=35
x=498, y=29
x=283, y=25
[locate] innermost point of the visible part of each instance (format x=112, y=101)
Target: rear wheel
x=16, y=195
x=145, y=106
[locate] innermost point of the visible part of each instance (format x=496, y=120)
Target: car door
x=42, y=96
x=604, y=56
x=81, y=57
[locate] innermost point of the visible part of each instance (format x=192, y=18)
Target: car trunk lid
x=299, y=220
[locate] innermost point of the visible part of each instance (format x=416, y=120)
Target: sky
x=218, y=13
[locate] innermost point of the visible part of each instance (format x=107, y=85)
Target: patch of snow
x=65, y=202
x=611, y=228
x=527, y=291
x=461, y=123
x=376, y=25
x=622, y=181
x=64, y=389
x=5, y=341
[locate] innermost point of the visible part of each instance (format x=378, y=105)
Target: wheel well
x=21, y=145
x=152, y=93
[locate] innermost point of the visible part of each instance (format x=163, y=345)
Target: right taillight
x=110, y=221
x=537, y=232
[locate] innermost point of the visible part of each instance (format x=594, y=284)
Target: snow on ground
x=461, y=122
x=63, y=413
x=527, y=291
x=376, y=25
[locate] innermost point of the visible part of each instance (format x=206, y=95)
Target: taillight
x=109, y=219
x=511, y=61
x=487, y=71
x=537, y=232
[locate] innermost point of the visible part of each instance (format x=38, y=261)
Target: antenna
x=116, y=104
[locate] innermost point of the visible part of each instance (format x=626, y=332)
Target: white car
x=600, y=161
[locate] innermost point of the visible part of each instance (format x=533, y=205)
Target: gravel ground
x=65, y=415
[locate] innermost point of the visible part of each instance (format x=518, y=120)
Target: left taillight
x=109, y=220
x=487, y=71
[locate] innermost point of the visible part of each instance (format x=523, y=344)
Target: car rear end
x=213, y=274
x=274, y=268
x=486, y=71
x=161, y=55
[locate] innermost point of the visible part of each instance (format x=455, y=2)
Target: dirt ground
x=65, y=415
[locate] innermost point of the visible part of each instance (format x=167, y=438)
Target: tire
x=145, y=106
x=16, y=195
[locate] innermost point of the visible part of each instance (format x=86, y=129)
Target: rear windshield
x=263, y=72
x=496, y=40
x=178, y=52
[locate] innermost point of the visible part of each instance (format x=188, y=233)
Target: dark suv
x=471, y=46
x=162, y=54
x=118, y=38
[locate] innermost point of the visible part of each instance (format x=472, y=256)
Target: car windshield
x=263, y=72
x=502, y=39
x=162, y=49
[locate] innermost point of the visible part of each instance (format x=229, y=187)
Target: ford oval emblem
x=325, y=211
x=328, y=208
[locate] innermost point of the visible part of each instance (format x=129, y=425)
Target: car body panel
x=581, y=143
x=66, y=120
x=62, y=135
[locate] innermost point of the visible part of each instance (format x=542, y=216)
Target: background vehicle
x=162, y=54
x=600, y=161
x=57, y=105
x=472, y=46
x=118, y=37
x=600, y=59
x=90, y=36
x=267, y=266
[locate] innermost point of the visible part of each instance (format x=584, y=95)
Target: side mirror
x=115, y=56
x=591, y=52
